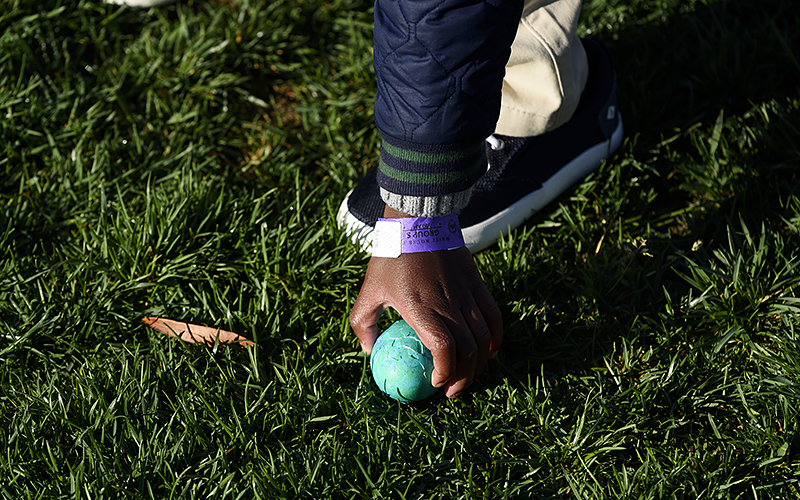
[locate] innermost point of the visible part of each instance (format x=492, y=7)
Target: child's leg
x=547, y=70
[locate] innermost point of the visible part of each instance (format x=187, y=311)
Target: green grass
x=187, y=162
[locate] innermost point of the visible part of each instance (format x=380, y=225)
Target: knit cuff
x=429, y=180
x=427, y=206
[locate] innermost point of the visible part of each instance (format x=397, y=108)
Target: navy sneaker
x=525, y=173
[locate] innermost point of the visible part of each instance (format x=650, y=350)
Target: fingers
x=459, y=346
x=493, y=319
x=434, y=333
x=468, y=352
x=481, y=333
x=442, y=297
x=364, y=317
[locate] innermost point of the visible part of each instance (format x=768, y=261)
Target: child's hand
x=443, y=298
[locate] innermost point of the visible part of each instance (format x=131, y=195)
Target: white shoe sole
x=360, y=233
x=482, y=235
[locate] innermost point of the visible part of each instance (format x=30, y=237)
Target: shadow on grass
x=725, y=55
x=713, y=157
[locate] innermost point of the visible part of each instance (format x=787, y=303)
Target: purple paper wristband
x=416, y=234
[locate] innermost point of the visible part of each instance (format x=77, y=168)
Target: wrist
x=399, y=233
x=391, y=213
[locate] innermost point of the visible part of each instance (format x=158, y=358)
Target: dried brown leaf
x=196, y=333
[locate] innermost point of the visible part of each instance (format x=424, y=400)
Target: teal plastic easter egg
x=401, y=364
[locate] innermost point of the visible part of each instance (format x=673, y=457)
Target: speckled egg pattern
x=401, y=364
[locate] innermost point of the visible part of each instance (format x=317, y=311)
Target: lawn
x=187, y=162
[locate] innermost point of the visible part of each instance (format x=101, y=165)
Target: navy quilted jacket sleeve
x=439, y=66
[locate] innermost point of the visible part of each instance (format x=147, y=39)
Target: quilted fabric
x=440, y=67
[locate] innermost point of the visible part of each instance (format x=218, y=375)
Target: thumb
x=364, y=319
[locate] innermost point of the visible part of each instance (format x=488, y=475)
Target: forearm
x=439, y=66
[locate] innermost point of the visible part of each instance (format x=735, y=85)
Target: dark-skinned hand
x=442, y=297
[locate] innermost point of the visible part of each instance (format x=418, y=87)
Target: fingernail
x=493, y=354
x=364, y=347
x=435, y=376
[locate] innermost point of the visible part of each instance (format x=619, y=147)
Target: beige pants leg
x=546, y=72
